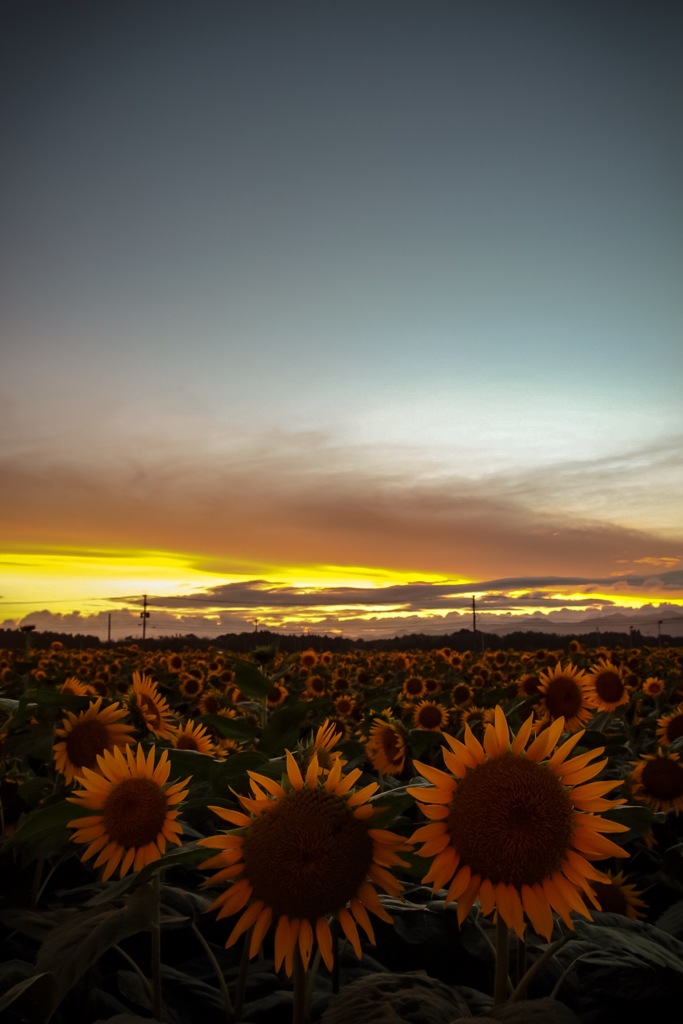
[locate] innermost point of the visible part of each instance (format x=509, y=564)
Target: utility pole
x=144, y=615
x=109, y=628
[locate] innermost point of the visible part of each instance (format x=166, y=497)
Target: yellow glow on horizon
x=58, y=578
x=92, y=580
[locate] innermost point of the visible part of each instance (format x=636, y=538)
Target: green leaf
x=673, y=865
x=127, y=1018
x=671, y=920
x=30, y=704
x=219, y=774
x=45, y=822
x=282, y=729
x=534, y=1011
x=615, y=941
x=241, y=729
x=31, y=1000
x=250, y=680
x=35, y=789
x=637, y=818
x=88, y=934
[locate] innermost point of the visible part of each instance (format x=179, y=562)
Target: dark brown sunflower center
x=609, y=686
x=134, y=812
x=86, y=740
x=663, y=778
x=511, y=820
x=392, y=744
x=211, y=705
x=308, y=856
x=188, y=742
x=611, y=898
x=563, y=697
x=430, y=717
x=674, y=728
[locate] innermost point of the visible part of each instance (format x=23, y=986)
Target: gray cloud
x=298, y=499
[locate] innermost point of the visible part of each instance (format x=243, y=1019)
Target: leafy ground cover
x=324, y=837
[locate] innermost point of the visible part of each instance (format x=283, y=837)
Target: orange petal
x=324, y=938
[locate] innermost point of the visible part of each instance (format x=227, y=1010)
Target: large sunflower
x=301, y=852
x=84, y=735
x=513, y=824
x=564, y=693
x=134, y=811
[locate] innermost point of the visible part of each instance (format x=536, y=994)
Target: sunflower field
x=423, y=836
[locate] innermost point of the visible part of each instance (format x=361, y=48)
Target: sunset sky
x=331, y=315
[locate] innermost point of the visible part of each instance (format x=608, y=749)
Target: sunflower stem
x=37, y=888
x=241, y=987
x=157, y=1006
x=334, y=928
x=131, y=963
x=548, y=952
x=227, y=1001
x=300, y=1007
x=310, y=979
x=501, y=982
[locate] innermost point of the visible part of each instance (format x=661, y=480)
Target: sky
x=332, y=316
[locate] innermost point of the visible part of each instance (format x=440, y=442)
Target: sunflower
x=513, y=824
x=476, y=717
x=653, y=687
x=430, y=716
x=617, y=896
x=528, y=685
x=135, y=811
x=344, y=706
x=156, y=714
x=277, y=695
x=315, y=686
x=303, y=852
x=193, y=736
x=386, y=746
x=84, y=735
x=670, y=727
x=607, y=686
x=461, y=695
x=75, y=686
x=413, y=688
x=657, y=780
x=432, y=686
x=191, y=686
x=326, y=738
x=564, y=693
x=211, y=702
